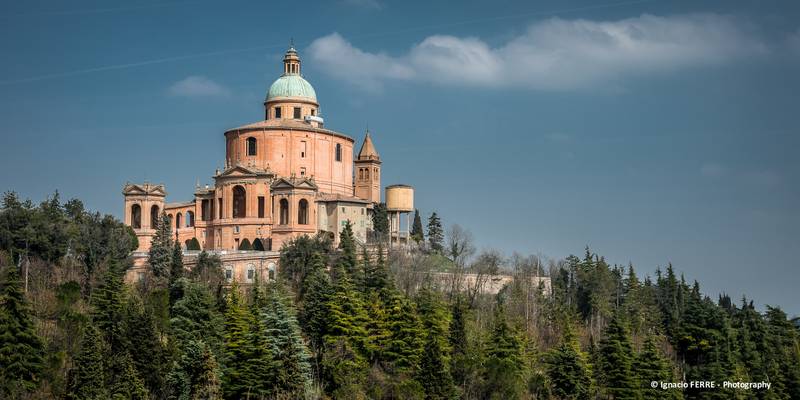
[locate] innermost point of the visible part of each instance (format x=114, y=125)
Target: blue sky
x=652, y=131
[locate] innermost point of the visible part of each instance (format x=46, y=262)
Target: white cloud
x=197, y=86
x=553, y=54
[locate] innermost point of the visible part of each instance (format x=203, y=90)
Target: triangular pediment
x=289, y=183
x=133, y=189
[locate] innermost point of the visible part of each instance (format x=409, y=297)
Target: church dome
x=291, y=85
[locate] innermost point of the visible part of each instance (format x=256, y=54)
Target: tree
x=193, y=245
x=616, y=361
x=208, y=269
x=457, y=337
x=297, y=259
x=314, y=310
x=195, y=317
x=125, y=382
x=568, y=369
x=416, y=228
x=144, y=344
x=380, y=221
x=377, y=273
x=107, y=310
x=160, y=255
x=285, y=339
x=237, y=349
x=649, y=366
x=87, y=378
x=347, y=257
x=405, y=345
x=21, y=350
x=195, y=375
x=434, y=372
x=176, y=263
x=435, y=234
x=505, y=367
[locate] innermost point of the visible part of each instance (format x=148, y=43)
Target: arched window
x=136, y=216
x=338, y=152
x=189, y=219
x=251, y=146
x=302, y=212
x=271, y=271
x=178, y=220
x=284, y=211
x=239, y=202
x=154, y=217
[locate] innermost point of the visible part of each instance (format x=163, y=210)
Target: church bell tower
x=368, y=172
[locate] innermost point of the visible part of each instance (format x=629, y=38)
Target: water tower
x=399, y=201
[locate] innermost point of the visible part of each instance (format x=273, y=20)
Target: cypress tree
x=615, y=358
x=347, y=257
x=377, y=332
x=176, y=263
x=569, y=373
x=195, y=317
x=457, y=338
x=435, y=234
x=416, y=228
x=380, y=221
x=21, y=350
x=377, y=275
x=87, y=378
x=160, y=255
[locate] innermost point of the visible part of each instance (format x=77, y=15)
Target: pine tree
x=783, y=357
x=569, y=373
x=125, y=382
x=377, y=331
x=195, y=317
x=314, y=311
x=416, y=228
x=405, y=345
x=144, y=344
x=289, y=350
x=377, y=275
x=107, y=310
x=505, y=367
x=457, y=338
x=347, y=259
x=615, y=359
x=434, y=372
x=21, y=350
x=651, y=366
x=237, y=347
x=195, y=375
x=160, y=255
x=435, y=234
x=87, y=378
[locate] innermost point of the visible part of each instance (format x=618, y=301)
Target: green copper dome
x=292, y=85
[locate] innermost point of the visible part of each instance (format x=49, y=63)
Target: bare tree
x=460, y=248
x=486, y=265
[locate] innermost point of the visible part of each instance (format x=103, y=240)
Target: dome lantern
x=291, y=86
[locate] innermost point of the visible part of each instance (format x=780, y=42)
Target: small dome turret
x=291, y=84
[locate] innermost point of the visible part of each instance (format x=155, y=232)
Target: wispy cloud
x=554, y=54
x=197, y=86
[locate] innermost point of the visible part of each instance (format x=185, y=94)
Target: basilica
x=286, y=175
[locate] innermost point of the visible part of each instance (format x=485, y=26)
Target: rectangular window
x=260, y=206
x=297, y=113
x=303, y=149
x=343, y=209
x=236, y=229
x=219, y=201
x=313, y=112
x=302, y=171
x=338, y=152
x=250, y=274
x=228, y=274
x=277, y=112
